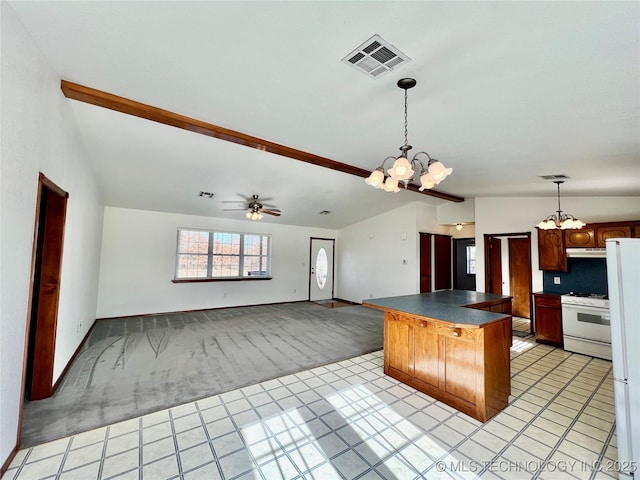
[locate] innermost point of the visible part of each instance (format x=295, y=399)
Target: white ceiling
x=506, y=92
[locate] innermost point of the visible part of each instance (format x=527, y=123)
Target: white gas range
x=585, y=324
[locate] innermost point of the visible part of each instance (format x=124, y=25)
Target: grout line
x=206, y=433
x=140, y=447
x=554, y=449
x=175, y=443
x=64, y=457
x=595, y=471
x=104, y=451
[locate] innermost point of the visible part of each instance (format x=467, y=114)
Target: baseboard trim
x=73, y=357
x=347, y=301
x=201, y=310
x=12, y=455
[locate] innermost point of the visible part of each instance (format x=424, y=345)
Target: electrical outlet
x=556, y=280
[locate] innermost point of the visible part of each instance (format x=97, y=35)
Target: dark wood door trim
x=51, y=207
x=425, y=262
x=166, y=117
x=488, y=237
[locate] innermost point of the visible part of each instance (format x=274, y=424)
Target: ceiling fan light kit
x=403, y=169
x=254, y=209
x=559, y=220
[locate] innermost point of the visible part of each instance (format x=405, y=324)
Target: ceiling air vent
x=206, y=194
x=375, y=57
x=557, y=176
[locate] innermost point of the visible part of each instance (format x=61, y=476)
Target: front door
x=321, y=271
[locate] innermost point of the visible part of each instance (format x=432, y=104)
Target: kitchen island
x=452, y=345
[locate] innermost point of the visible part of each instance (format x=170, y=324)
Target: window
x=471, y=259
x=205, y=255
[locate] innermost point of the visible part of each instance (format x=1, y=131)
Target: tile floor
x=348, y=421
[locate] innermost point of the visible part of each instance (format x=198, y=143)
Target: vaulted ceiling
x=506, y=92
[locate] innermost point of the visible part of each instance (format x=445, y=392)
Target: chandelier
x=560, y=220
x=403, y=169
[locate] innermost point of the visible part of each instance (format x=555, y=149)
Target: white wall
x=138, y=264
x=38, y=136
x=509, y=215
x=451, y=213
x=371, y=253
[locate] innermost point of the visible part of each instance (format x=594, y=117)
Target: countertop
x=448, y=306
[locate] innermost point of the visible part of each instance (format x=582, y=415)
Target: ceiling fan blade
x=234, y=209
x=239, y=202
x=275, y=212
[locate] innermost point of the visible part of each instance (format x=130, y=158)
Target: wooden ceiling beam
x=155, y=114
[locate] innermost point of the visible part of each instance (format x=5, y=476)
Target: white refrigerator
x=623, y=278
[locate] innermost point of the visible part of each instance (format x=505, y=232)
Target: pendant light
x=403, y=169
x=559, y=220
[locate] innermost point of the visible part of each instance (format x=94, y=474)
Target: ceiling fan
x=254, y=208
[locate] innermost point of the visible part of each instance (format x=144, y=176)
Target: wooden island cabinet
x=457, y=355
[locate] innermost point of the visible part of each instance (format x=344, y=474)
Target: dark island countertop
x=447, y=306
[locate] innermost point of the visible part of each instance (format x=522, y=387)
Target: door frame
x=43, y=348
x=456, y=259
x=487, y=262
x=333, y=265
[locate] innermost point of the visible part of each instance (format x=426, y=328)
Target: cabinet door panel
x=426, y=356
x=548, y=324
x=551, y=253
x=398, y=335
x=460, y=368
x=612, y=232
x=585, y=237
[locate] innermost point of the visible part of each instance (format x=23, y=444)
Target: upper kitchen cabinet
x=552, y=244
x=604, y=232
x=583, y=238
x=551, y=250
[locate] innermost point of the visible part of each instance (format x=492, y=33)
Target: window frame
x=211, y=255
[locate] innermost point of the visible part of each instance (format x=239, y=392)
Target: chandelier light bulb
x=401, y=169
x=248, y=214
x=426, y=181
x=438, y=171
x=391, y=185
x=376, y=178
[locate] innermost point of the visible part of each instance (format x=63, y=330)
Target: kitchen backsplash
x=585, y=275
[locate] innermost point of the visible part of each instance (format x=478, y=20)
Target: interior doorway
x=51, y=208
x=321, y=266
x=464, y=264
x=508, y=269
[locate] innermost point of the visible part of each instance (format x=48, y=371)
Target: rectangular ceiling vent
x=375, y=57
x=206, y=194
x=557, y=176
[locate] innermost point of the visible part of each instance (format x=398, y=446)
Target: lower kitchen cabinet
x=467, y=368
x=548, y=318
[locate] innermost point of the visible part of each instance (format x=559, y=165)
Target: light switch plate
x=556, y=280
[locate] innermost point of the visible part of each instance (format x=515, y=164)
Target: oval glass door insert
x=322, y=268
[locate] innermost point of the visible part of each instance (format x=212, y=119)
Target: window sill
x=219, y=279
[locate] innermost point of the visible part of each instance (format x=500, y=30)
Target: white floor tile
x=347, y=420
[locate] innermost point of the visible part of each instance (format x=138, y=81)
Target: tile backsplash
x=585, y=275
